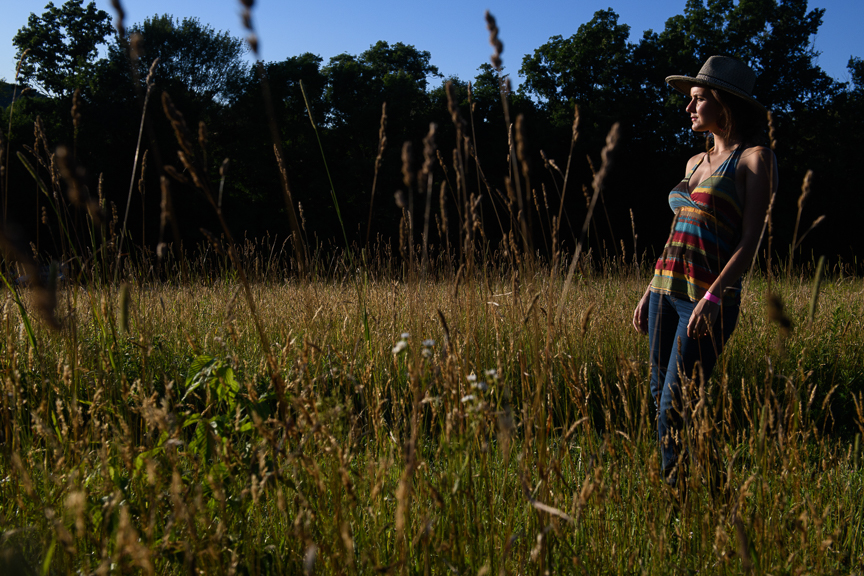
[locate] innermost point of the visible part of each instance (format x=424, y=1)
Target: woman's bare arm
x=760, y=181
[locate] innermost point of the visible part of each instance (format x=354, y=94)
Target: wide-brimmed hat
x=723, y=73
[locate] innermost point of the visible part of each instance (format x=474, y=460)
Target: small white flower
x=472, y=377
x=405, y=335
x=467, y=398
x=426, y=352
x=428, y=343
x=399, y=347
x=480, y=386
x=492, y=373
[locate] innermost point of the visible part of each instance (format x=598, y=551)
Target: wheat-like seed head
x=575, y=122
x=148, y=82
x=136, y=46
x=382, y=136
x=121, y=15
x=181, y=131
x=494, y=41
x=20, y=62
x=76, y=109
x=607, y=155
x=452, y=106
x=805, y=189
x=771, y=131
x=407, y=164
x=521, y=152
x=429, y=150
x=442, y=200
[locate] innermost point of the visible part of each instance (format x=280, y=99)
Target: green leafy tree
x=63, y=44
x=772, y=36
x=589, y=68
x=193, y=57
x=358, y=86
x=856, y=71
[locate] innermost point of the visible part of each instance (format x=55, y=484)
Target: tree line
x=93, y=106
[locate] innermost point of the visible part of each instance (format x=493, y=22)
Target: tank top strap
x=731, y=163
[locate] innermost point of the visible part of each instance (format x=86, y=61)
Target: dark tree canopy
x=856, y=70
x=586, y=68
x=358, y=85
x=610, y=78
x=192, y=56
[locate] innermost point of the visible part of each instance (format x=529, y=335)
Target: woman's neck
x=723, y=143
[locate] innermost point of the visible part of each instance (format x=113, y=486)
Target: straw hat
x=723, y=73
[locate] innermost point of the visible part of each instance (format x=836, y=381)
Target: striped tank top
x=705, y=231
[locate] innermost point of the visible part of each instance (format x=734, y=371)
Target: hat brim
x=684, y=83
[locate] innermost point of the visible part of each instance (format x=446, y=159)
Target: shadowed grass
x=460, y=430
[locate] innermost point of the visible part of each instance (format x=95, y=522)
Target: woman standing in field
x=691, y=305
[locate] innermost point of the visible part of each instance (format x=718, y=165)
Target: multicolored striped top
x=705, y=231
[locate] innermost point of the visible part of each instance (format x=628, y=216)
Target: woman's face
x=704, y=110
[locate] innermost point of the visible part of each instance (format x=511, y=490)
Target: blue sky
x=454, y=32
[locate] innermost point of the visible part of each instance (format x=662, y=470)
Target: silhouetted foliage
x=598, y=68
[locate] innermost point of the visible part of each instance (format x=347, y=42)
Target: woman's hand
x=640, y=315
x=702, y=319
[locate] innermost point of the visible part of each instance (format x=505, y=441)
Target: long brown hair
x=740, y=119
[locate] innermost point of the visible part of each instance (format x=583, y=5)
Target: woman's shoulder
x=694, y=160
x=756, y=157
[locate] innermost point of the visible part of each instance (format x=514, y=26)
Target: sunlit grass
x=430, y=425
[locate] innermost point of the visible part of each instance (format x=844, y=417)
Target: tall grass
x=466, y=408
x=446, y=426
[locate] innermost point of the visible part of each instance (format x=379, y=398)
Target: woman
x=691, y=306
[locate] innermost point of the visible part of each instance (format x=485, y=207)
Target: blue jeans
x=674, y=356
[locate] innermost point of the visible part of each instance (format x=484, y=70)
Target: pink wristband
x=712, y=298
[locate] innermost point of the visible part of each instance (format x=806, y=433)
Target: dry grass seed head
x=121, y=15
x=771, y=134
x=150, y=73
x=76, y=109
x=805, y=189
x=575, y=122
x=442, y=199
x=382, y=136
x=407, y=164
x=74, y=175
x=429, y=150
x=181, y=131
x=607, y=155
x=521, y=153
x=494, y=40
x=136, y=46
x=202, y=137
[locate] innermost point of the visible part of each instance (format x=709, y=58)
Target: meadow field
x=450, y=399
x=370, y=422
